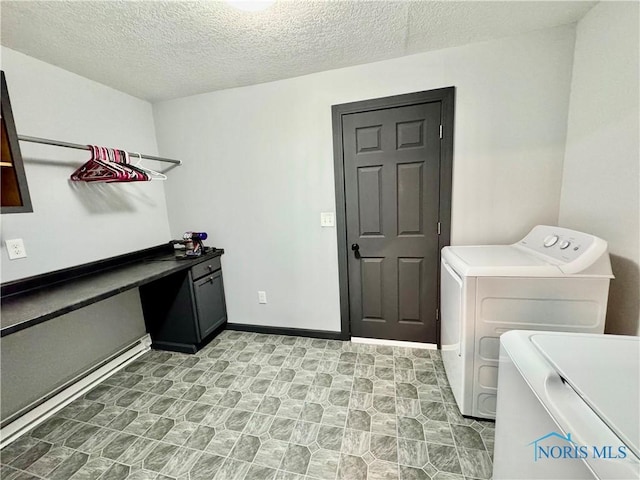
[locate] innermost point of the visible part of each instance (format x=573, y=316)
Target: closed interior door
x=391, y=174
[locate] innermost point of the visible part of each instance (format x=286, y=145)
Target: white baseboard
x=39, y=414
x=394, y=343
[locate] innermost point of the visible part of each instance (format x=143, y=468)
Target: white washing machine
x=568, y=407
x=552, y=279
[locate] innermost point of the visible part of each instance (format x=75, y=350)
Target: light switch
x=327, y=219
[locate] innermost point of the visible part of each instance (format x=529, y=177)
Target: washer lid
x=605, y=371
x=499, y=261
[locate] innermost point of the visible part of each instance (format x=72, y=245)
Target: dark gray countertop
x=24, y=310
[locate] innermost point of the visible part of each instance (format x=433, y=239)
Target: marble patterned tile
x=217, y=416
x=404, y=375
x=384, y=404
x=380, y=470
x=296, y=459
x=410, y=428
x=49, y=427
x=232, y=469
x=181, y=462
x=467, y=437
x=30, y=455
x=412, y=452
x=412, y=473
x=259, y=424
x=342, y=382
x=249, y=402
x=282, y=428
x=434, y=410
x=96, y=467
x=406, y=390
x=118, y=445
x=384, y=447
x=429, y=392
x=237, y=420
x=408, y=407
x=48, y=462
x=454, y=416
x=475, y=463
x=270, y=453
x=355, y=442
x=269, y=405
x=351, y=468
x=97, y=440
x=384, y=424
x=323, y=464
x=258, y=472
x=278, y=389
x=263, y=407
x=298, y=391
x=444, y=458
x=17, y=448
x=69, y=467
x=197, y=412
x=360, y=400
x=336, y=416
x=358, y=420
x=137, y=451
x=317, y=394
x=312, y=412
x=339, y=398
x=200, y=438
x=159, y=456
x=290, y=408
x=323, y=379
x=304, y=433
x=438, y=432
x=246, y=448
x=384, y=387
x=330, y=437
x=222, y=443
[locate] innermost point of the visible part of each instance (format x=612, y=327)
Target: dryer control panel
x=570, y=249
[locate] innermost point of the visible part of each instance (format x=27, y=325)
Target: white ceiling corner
x=167, y=49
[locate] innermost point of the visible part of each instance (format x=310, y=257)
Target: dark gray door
x=391, y=173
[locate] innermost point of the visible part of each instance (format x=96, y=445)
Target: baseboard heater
x=33, y=415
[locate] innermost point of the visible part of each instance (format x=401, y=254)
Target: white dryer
x=552, y=279
x=568, y=407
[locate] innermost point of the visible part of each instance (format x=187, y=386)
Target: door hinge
x=437, y=314
x=441, y=131
x=439, y=228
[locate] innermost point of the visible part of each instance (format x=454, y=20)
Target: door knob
x=356, y=250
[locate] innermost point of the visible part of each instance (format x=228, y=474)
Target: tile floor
x=263, y=407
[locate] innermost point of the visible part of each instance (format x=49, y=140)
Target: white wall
x=73, y=222
x=259, y=164
x=600, y=187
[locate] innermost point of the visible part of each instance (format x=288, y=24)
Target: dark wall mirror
x=14, y=189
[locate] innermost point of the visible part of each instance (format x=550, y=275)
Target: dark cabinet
x=183, y=309
x=209, y=294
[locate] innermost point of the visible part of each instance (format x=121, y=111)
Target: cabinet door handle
x=210, y=267
x=211, y=279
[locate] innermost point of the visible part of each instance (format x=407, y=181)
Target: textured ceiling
x=160, y=50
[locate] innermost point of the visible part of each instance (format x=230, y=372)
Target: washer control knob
x=564, y=244
x=551, y=240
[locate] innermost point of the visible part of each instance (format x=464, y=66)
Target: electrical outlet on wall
x=15, y=248
x=262, y=297
x=327, y=219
